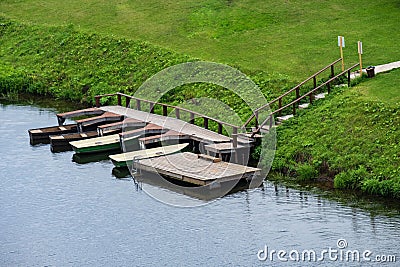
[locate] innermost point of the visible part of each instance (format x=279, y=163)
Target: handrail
x=290, y=91
x=305, y=95
x=97, y=97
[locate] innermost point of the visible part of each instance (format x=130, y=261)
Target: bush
x=306, y=172
x=350, y=179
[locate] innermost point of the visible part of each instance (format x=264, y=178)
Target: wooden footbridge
x=213, y=148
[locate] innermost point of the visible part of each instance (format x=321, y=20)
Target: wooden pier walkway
x=195, y=132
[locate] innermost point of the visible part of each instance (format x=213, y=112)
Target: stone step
x=305, y=105
x=284, y=118
x=321, y=95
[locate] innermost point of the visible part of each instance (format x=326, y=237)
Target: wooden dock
x=197, y=169
x=195, y=132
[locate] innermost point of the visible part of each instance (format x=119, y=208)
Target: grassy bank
x=63, y=62
x=351, y=138
x=290, y=37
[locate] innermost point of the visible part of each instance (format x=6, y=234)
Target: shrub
x=350, y=179
x=306, y=172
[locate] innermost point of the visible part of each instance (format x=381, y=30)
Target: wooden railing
x=255, y=116
x=295, y=89
x=310, y=94
x=138, y=105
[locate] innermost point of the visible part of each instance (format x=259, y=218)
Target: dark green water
x=56, y=212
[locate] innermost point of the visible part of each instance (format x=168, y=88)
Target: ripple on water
x=58, y=212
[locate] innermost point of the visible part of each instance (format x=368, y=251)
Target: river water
x=56, y=212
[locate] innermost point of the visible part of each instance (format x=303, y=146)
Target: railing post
x=235, y=136
x=97, y=101
x=164, y=110
x=348, y=78
x=205, y=122
x=151, y=107
x=127, y=101
x=332, y=71
x=119, y=99
x=294, y=108
x=270, y=121
x=219, y=128
x=311, y=98
x=329, y=87
x=191, y=118
x=256, y=116
x=297, y=92
x=177, y=115
x=280, y=105
x=137, y=104
x=315, y=81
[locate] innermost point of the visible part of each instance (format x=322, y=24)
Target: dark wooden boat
x=41, y=135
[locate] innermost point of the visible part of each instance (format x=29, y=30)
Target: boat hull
x=41, y=135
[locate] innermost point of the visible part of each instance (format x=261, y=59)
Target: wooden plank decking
x=195, y=132
x=123, y=159
x=196, y=169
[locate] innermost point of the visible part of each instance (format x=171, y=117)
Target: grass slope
x=70, y=64
x=292, y=37
x=352, y=137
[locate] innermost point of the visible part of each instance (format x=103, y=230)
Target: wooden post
x=234, y=136
x=294, y=108
x=97, y=101
x=311, y=98
x=360, y=52
x=119, y=99
x=348, y=78
x=315, y=81
x=177, y=115
x=341, y=44
x=205, y=123
x=219, y=128
x=297, y=92
x=127, y=101
x=270, y=121
x=138, y=104
x=191, y=118
x=164, y=110
x=256, y=116
x=329, y=88
x=332, y=71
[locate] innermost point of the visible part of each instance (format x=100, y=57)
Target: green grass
x=69, y=64
x=291, y=37
x=352, y=138
x=385, y=87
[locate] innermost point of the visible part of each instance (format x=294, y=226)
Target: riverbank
x=350, y=140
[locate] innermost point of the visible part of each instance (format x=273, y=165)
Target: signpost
x=341, y=45
x=360, y=52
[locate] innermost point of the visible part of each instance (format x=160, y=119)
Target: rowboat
x=97, y=144
x=41, y=135
x=60, y=143
x=125, y=159
x=112, y=142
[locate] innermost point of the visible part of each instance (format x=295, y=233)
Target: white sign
x=340, y=41
x=360, y=50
